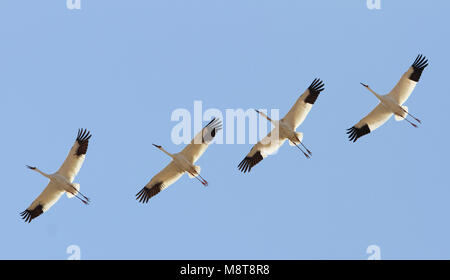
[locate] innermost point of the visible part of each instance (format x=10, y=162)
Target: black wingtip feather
x=419, y=65
x=29, y=215
x=145, y=194
x=212, y=128
x=248, y=162
x=354, y=133
x=83, y=140
x=314, y=90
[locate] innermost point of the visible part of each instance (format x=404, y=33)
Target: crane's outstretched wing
x=43, y=202
x=403, y=89
x=76, y=156
x=166, y=177
x=369, y=123
x=200, y=142
x=304, y=103
x=260, y=150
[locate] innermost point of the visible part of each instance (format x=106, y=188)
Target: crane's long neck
x=376, y=94
x=167, y=153
x=43, y=173
x=275, y=123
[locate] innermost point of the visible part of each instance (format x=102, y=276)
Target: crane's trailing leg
x=205, y=183
x=411, y=123
x=200, y=179
x=82, y=200
x=306, y=155
x=417, y=120
x=307, y=150
x=78, y=192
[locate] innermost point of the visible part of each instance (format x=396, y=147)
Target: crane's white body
x=288, y=131
x=65, y=184
x=284, y=129
x=61, y=181
x=185, y=165
x=182, y=162
x=391, y=103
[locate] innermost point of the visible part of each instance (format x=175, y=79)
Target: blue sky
x=119, y=68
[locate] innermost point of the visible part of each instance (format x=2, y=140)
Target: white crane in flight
x=62, y=180
x=284, y=129
x=182, y=162
x=391, y=103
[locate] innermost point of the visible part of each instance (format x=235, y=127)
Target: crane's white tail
x=77, y=187
x=398, y=118
x=299, y=136
x=197, y=171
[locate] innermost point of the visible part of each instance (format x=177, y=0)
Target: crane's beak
x=257, y=111
x=31, y=167
x=364, y=85
x=157, y=146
